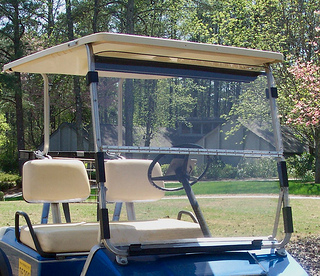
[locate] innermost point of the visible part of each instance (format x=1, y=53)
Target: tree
x=76, y=82
x=302, y=111
x=17, y=18
x=298, y=78
x=3, y=128
x=162, y=104
x=12, y=33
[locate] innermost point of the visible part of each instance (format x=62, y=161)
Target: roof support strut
x=46, y=109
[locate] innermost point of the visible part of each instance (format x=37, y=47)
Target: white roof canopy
x=71, y=57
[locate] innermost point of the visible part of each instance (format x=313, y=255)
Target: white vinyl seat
x=81, y=237
x=56, y=181
x=126, y=182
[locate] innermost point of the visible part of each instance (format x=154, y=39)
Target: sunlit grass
x=225, y=216
x=296, y=187
x=231, y=187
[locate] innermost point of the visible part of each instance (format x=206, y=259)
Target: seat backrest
x=54, y=181
x=127, y=181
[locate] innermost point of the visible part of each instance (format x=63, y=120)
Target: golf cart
x=236, y=124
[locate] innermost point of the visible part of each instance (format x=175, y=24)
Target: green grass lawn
x=225, y=216
x=231, y=187
x=296, y=187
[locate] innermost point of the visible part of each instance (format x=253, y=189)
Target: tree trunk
x=128, y=95
x=50, y=18
x=95, y=16
x=19, y=114
x=216, y=104
x=76, y=83
x=128, y=112
x=130, y=17
x=18, y=53
x=69, y=20
x=150, y=127
x=79, y=125
x=317, y=154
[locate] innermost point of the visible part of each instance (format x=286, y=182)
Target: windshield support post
x=46, y=119
x=284, y=186
x=274, y=112
x=93, y=83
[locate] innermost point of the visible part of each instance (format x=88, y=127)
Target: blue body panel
x=259, y=262
x=14, y=251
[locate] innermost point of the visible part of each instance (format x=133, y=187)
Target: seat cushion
x=61, y=238
x=81, y=237
x=127, y=181
x=55, y=180
x=131, y=232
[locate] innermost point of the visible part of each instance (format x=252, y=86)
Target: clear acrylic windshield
x=228, y=115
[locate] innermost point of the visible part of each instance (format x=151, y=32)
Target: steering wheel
x=180, y=168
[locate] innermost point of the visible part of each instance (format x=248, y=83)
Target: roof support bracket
x=92, y=76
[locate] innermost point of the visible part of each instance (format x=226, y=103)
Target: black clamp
x=92, y=76
x=274, y=92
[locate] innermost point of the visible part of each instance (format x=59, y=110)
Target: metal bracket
x=121, y=260
x=281, y=252
x=273, y=91
x=92, y=76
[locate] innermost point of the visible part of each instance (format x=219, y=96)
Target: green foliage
x=257, y=168
x=250, y=108
x=9, y=177
x=217, y=170
x=8, y=181
x=162, y=103
x=237, y=22
x=4, y=185
x=302, y=167
x=164, y=168
x=247, y=168
x=8, y=159
x=1, y=196
x=4, y=127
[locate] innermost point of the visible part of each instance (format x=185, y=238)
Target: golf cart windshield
x=227, y=113
x=199, y=111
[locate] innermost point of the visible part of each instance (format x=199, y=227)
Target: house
x=208, y=133
x=65, y=139
x=249, y=136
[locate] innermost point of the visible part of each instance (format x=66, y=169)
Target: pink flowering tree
x=301, y=106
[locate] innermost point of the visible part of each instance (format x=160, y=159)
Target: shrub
x=247, y=168
x=1, y=196
x=302, y=166
x=257, y=168
x=164, y=168
x=9, y=159
x=8, y=181
x=217, y=170
x=4, y=186
x=9, y=177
